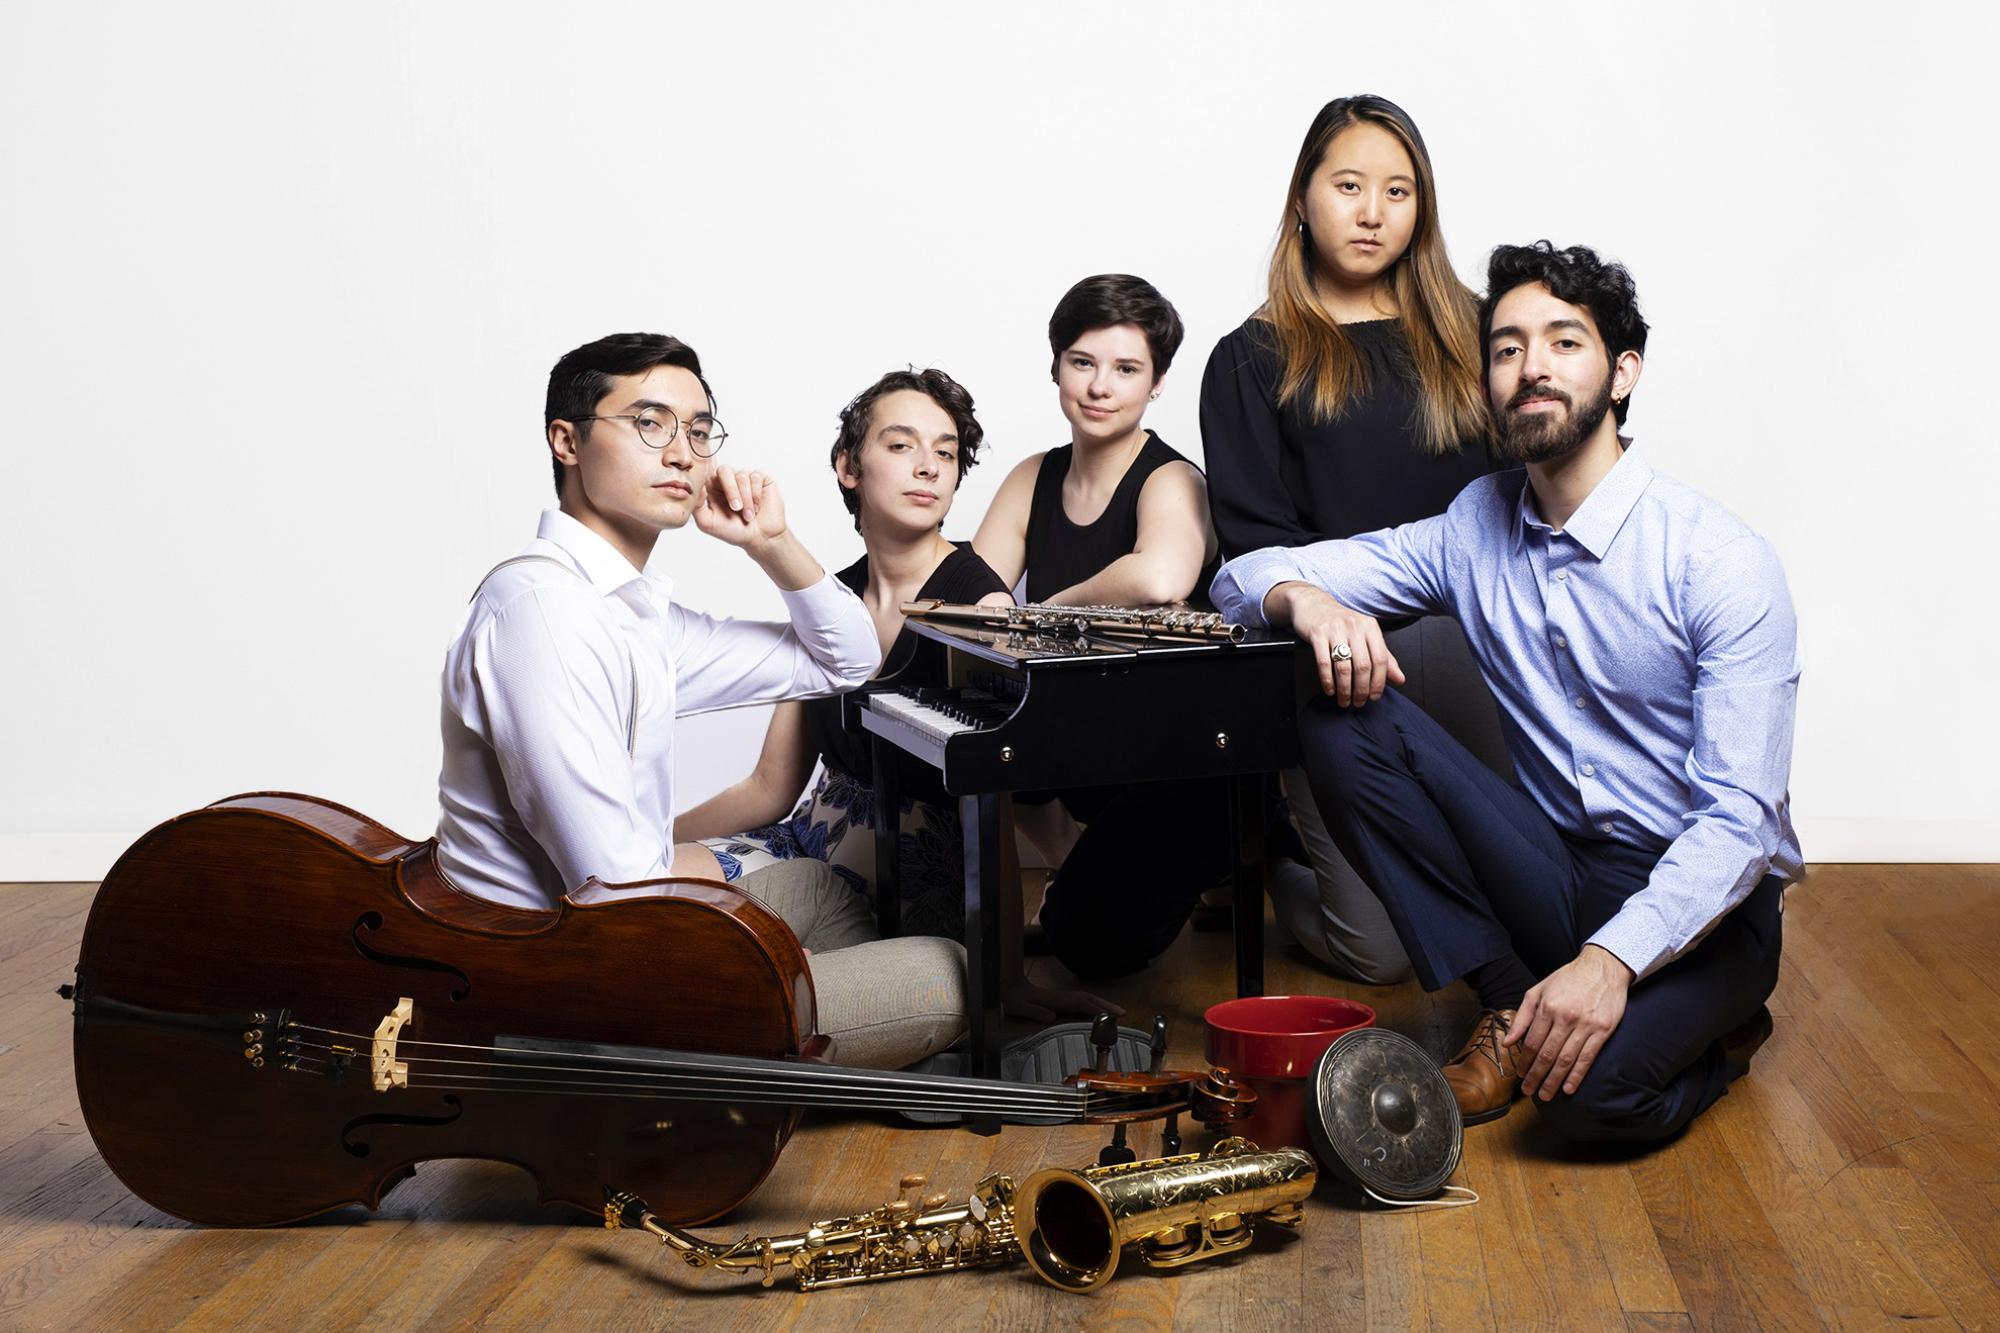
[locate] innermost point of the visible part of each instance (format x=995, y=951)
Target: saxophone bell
x=1074, y=1225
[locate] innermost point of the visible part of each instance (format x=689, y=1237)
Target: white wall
x=282, y=285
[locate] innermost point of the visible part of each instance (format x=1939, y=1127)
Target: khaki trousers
x=885, y=1003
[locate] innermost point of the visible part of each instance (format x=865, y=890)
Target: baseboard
x=52, y=858
x=1830, y=841
x=34, y=858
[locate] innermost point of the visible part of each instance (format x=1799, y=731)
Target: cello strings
x=724, y=1090
x=489, y=1083
x=474, y=1083
x=804, y=1078
x=998, y=1098
x=1046, y=1099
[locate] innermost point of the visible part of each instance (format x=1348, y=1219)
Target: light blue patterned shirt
x=1645, y=659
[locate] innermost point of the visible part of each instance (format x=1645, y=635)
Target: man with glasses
x=562, y=688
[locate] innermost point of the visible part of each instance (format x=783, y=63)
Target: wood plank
x=1853, y=1180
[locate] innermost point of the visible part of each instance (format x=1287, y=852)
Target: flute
x=1133, y=622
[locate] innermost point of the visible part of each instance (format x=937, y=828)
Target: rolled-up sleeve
x=1739, y=615
x=1394, y=572
x=829, y=646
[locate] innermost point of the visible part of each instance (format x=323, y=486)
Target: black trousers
x=1469, y=868
x=1128, y=886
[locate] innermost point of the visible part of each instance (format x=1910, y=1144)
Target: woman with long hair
x=1352, y=400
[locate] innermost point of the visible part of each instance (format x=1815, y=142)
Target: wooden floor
x=1852, y=1180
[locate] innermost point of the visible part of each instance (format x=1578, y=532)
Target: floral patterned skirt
x=836, y=824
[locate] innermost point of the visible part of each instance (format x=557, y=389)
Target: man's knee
x=1339, y=745
x=1610, y=1108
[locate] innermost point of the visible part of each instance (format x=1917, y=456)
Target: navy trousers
x=1469, y=868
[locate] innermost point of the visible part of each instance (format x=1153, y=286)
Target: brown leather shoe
x=1485, y=1076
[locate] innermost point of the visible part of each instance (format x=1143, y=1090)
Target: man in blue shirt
x=1617, y=911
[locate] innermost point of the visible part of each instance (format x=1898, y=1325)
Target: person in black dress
x=1351, y=401
x=1115, y=517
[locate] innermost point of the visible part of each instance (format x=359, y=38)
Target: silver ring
x=1342, y=653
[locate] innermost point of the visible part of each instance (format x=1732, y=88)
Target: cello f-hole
x=357, y=1148
x=372, y=921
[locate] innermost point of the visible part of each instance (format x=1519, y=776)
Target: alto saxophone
x=1070, y=1226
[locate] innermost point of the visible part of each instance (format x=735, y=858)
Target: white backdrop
x=283, y=284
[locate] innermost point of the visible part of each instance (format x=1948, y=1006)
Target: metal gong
x=1383, y=1116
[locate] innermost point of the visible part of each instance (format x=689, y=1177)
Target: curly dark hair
x=1578, y=276
x=1116, y=298
x=856, y=421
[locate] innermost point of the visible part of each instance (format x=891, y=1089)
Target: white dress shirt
x=560, y=694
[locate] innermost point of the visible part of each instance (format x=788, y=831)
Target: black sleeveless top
x=1060, y=553
x=960, y=577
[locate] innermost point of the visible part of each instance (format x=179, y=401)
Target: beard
x=1548, y=437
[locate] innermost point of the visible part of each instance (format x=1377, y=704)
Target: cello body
x=273, y=906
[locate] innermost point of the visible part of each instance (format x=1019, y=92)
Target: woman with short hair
x=1115, y=517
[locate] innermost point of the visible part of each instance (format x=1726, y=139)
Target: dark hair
x=1116, y=298
x=581, y=379
x=1578, y=276
x=857, y=419
x=1322, y=371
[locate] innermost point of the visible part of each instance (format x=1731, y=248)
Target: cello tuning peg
x=1103, y=1037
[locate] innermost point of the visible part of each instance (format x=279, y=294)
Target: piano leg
x=888, y=873
x=983, y=898
x=1247, y=800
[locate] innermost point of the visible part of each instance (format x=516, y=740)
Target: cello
x=281, y=1007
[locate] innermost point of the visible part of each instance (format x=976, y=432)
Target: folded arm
x=1174, y=543
x=829, y=646
x=1330, y=593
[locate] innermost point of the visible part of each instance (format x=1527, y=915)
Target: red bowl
x=1272, y=1042
x=1280, y=1036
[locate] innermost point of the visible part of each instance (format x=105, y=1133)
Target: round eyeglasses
x=658, y=427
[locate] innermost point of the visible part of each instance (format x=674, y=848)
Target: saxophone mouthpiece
x=623, y=1210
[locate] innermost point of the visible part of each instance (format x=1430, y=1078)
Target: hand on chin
x=741, y=507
